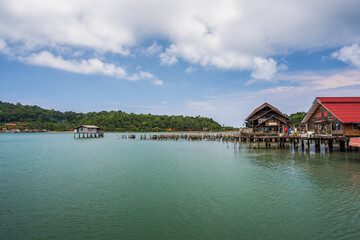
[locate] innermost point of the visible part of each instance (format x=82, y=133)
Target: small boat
x=355, y=142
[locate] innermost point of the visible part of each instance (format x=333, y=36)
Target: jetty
x=256, y=141
x=88, y=131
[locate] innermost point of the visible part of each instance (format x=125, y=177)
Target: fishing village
x=331, y=122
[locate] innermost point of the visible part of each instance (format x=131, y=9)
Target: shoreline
x=139, y=132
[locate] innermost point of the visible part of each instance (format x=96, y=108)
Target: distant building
x=339, y=116
x=14, y=130
x=267, y=118
x=89, y=130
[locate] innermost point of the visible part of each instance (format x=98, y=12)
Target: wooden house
x=267, y=118
x=89, y=130
x=339, y=116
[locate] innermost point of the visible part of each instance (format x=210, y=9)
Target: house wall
x=317, y=120
x=87, y=130
x=330, y=117
x=350, y=131
x=345, y=129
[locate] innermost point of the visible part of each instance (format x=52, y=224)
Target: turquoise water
x=53, y=186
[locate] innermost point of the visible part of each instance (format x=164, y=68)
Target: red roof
x=339, y=99
x=346, y=109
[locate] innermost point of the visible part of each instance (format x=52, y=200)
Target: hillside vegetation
x=296, y=118
x=36, y=117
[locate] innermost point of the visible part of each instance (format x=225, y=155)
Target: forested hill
x=38, y=118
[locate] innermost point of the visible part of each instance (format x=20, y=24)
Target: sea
x=54, y=186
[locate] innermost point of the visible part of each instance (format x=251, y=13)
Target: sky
x=217, y=59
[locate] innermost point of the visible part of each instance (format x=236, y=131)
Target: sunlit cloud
x=349, y=54
x=86, y=66
x=240, y=35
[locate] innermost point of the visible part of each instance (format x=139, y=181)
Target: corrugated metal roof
x=339, y=99
x=346, y=109
x=347, y=112
x=87, y=126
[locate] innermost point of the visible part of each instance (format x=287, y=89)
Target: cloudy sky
x=218, y=59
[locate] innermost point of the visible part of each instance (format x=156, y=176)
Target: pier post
x=326, y=144
x=318, y=145
x=302, y=145
x=308, y=144
x=342, y=145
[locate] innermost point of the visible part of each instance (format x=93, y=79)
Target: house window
x=325, y=114
x=319, y=114
x=336, y=126
x=357, y=126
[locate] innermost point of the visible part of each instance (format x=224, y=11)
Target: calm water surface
x=55, y=187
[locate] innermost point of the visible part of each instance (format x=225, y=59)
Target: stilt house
x=339, y=116
x=267, y=118
x=88, y=131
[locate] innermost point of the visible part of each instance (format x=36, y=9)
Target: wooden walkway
x=325, y=142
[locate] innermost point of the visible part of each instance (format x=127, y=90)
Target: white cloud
x=141, y=75
x=349, y=54
x=225, y=34
x=4, y=48
x=146, y=75
x=190, y=69
x=89, y=66
x=325, y=81
x=153, y=49
x=264, y=68
x=157, y=82
x=3, y=44
x=169, y=56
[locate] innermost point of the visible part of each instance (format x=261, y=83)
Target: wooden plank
x=350, y=131
x=355, y=142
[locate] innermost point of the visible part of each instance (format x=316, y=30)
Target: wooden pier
x=305, y=143
x=88, y=131
x=89, y=135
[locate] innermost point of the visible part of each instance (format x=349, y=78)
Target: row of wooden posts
x=254, y=141
x=89, y=135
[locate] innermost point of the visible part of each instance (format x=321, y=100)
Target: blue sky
x=218, y=59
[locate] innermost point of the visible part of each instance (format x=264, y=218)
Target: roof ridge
x=261, y=107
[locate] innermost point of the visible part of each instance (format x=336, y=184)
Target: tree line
x=296, y=118
x=35, y=117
